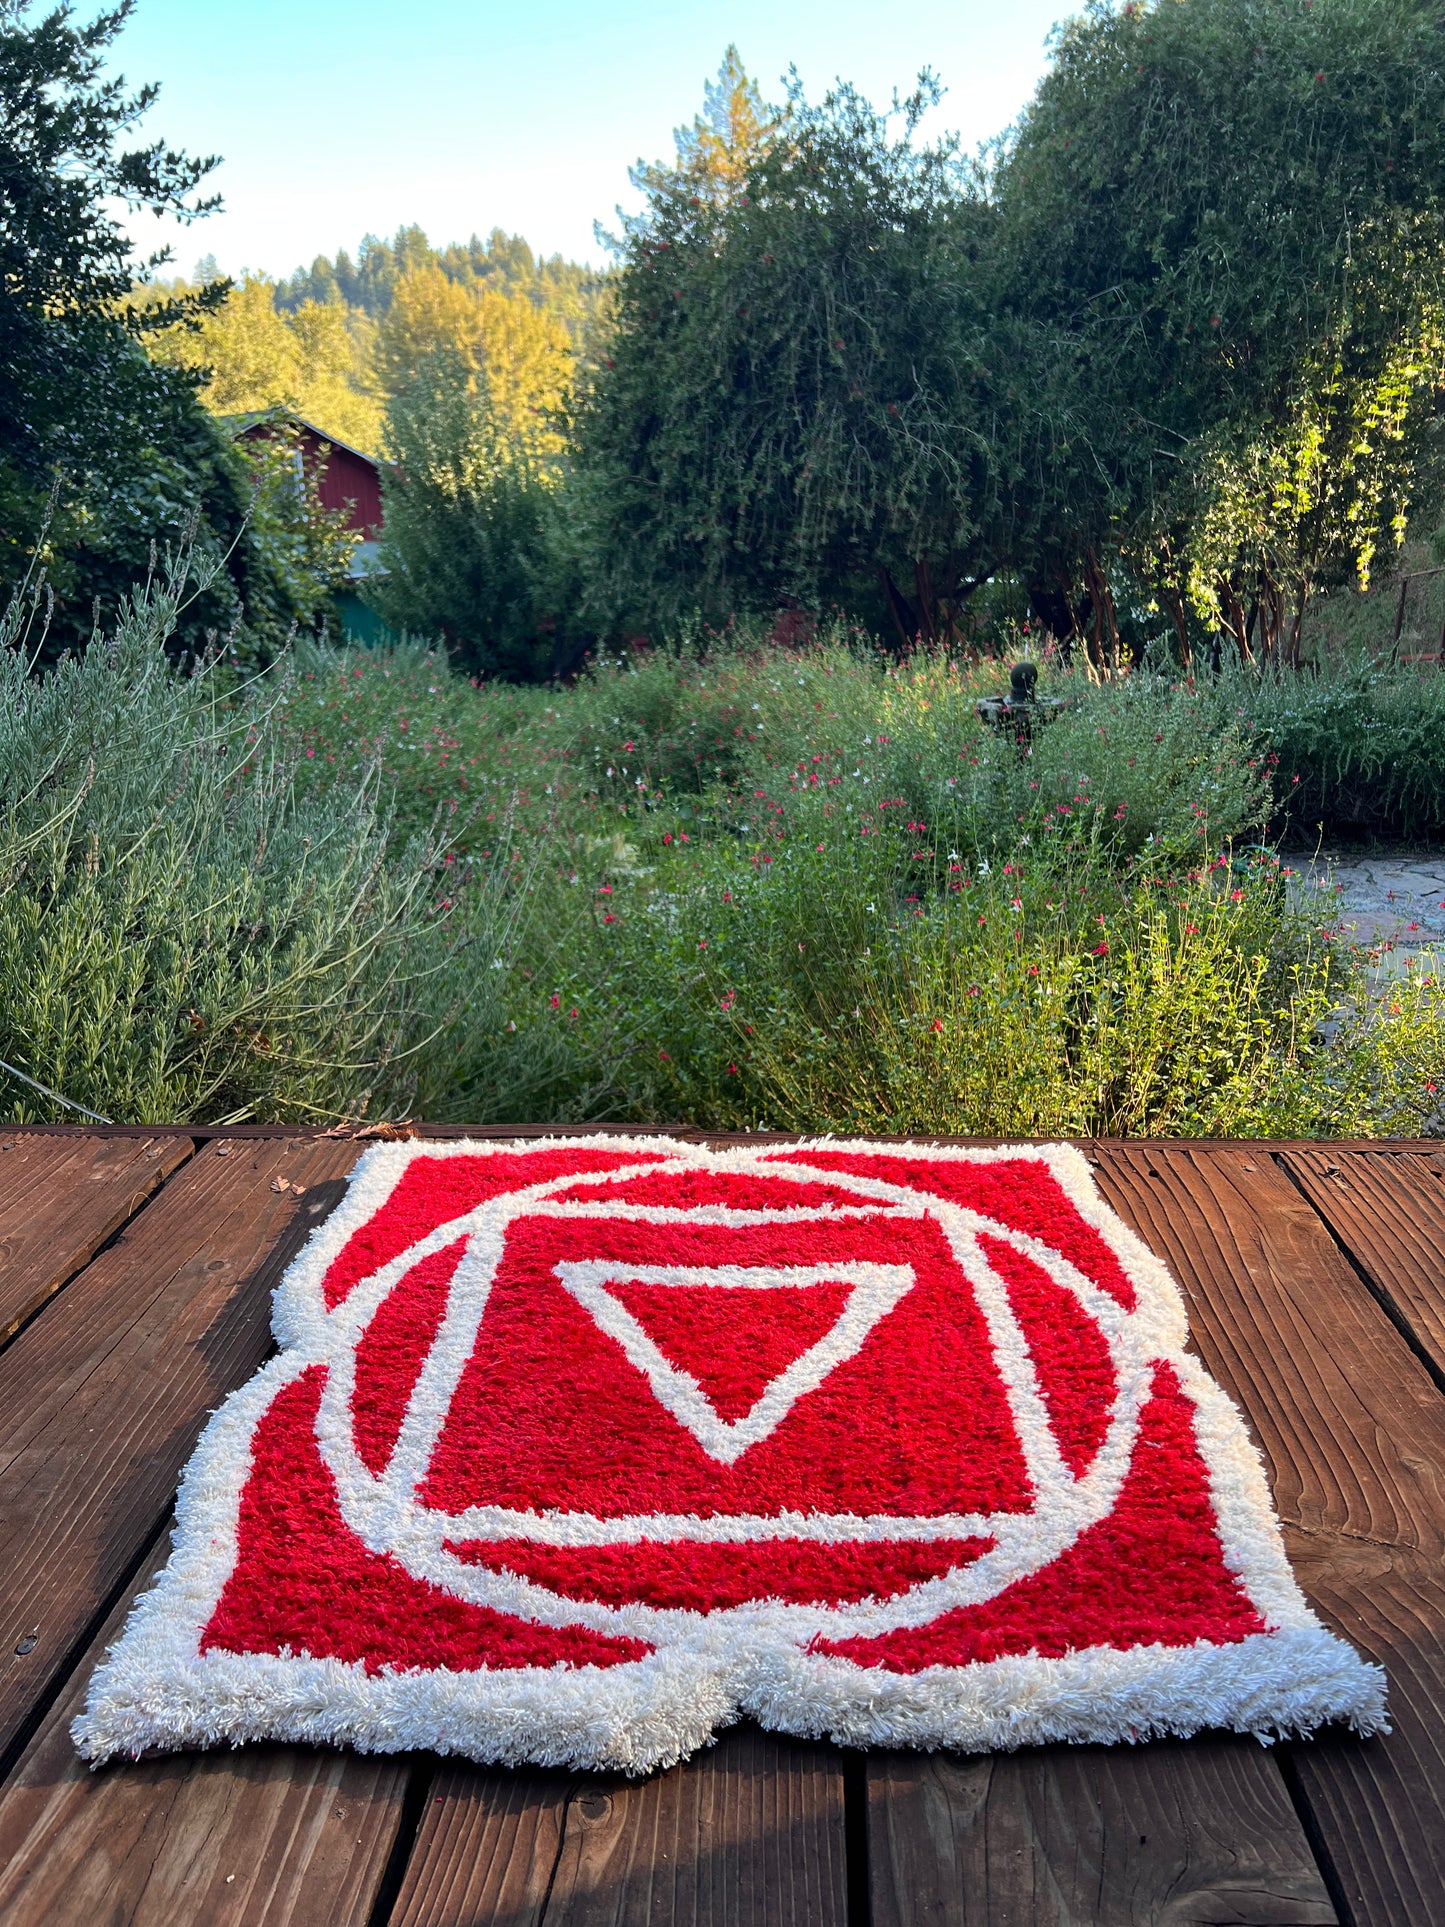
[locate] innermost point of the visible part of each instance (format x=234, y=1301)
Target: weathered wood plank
x=1352, y=1428
x=1388, y=1211
x=1353, y=1433
x=1089, y=1837
x=60, y=1199
x=486, y=1849
x=100, y=1406
x=262, y=1836
x=746, y=1833
x=1372, y=1798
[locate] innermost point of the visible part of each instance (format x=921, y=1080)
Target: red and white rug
x=576, y=1451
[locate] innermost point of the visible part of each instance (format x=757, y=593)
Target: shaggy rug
x=575, y=1451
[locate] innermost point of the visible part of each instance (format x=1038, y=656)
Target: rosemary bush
x=186, y=936
x=1360, y=745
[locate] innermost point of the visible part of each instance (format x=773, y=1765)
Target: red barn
x=345, y=477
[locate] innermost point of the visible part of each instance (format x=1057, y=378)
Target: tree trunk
x=1297, y=625
x=1181, y=626
x=927, y=614
x=1103, y=598
x=903, y=620
x=1238, y=626
x=1094, y=635
x=1273, y=611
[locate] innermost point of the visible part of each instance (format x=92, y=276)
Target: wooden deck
x=135, y=1271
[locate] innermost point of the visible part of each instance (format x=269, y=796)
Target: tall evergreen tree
x=102, y=452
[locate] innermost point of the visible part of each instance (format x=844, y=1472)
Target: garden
x=682, y=808
x=725, y=883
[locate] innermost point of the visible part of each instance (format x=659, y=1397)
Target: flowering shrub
x=722, y=884
x=805, y=888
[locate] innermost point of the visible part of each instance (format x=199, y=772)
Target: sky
x=336, y=118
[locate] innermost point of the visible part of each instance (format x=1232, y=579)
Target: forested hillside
x=503, y=262
x=338, y=340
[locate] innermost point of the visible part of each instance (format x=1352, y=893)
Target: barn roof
x=261, y=417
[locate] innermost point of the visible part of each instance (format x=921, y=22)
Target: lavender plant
x=184, y=934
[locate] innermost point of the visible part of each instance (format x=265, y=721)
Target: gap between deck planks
x=1175, y=1830
x=60, y=1199
x=748, y=1832
x=1063, y=1848
x=223, y=1839
x=1387, y=1213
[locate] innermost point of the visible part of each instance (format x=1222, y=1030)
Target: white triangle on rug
x=875, y=1290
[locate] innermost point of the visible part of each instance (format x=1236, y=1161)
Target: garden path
x=1390, y=897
